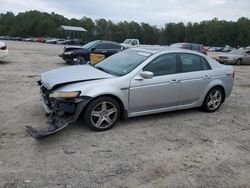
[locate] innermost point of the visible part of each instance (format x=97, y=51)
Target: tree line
x=212, y=33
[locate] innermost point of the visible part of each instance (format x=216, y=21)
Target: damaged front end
x=61, y=110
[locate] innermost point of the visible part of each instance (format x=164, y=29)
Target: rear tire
x=213, y=100
x=102, y=113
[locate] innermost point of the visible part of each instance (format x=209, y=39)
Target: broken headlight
x=68, y=53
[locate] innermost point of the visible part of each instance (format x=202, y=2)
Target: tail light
x=3, y=48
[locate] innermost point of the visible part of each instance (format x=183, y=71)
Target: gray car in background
x=135, y=82
x=237, y=57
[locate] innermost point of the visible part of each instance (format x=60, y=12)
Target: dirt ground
x=187, y=148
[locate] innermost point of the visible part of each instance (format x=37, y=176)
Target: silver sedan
x=237, y=57
x=135, y=82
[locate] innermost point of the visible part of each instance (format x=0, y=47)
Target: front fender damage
x=57, y=122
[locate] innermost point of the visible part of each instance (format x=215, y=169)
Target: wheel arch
x=86, y=56
x=124, y=112
x=222, y=88
x=241, y=60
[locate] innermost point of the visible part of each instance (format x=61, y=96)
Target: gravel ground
x=187, y=148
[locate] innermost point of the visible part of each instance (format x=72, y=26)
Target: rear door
x=196, y=75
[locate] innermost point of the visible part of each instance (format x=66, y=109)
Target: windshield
x=127, y=41
x=122, y=63
x=237, y=52
x=90, y=44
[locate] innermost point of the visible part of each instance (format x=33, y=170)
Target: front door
x=159, y=93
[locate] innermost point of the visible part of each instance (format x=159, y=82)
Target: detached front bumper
x=60, y=113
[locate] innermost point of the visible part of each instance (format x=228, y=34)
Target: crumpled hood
x=72, y=74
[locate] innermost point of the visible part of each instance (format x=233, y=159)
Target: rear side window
x=196, y=48
x=162, y=65
x=134, y=42
x=192, y=62
x=187, y=46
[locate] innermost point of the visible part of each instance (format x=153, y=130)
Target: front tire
x=239, y=62
x=79, y=59
x=213, y=99
x=102, y=114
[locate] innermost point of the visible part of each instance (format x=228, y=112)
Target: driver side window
x=162, y=65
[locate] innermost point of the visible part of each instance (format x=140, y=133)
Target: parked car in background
x=215, y=49
x=237, y=57
x=129, y=43
x=61, y=41
x=227, y=48
x=11, y=38
x=73, y=42
x=29, y=39
x=3, y=51
x=53, y=40
x=135, y=82
x=190, y=46
x=81, y=54
x=39, y=39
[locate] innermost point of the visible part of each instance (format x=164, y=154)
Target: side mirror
x=147, y=74
x=93, y=49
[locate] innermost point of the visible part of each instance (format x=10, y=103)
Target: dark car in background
x=81, y=54
x=190, y=46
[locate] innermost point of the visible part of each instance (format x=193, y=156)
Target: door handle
x=174, y=81
x=104, y=51
x=206, y=77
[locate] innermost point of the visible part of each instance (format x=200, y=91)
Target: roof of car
x=157, y=49
x=107, y=41
x=187, y=43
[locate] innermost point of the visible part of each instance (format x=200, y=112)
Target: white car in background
x=3, y=51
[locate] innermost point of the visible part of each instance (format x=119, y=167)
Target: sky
x=155, y=12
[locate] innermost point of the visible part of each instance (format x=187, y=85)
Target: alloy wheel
x=214, y=100
x=104, y=115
